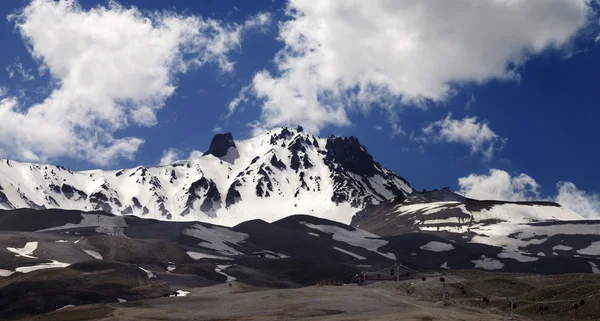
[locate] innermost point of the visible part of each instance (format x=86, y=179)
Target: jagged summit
x=281, y=172
x=220, y=145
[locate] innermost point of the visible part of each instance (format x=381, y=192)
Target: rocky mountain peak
x=351, y=155
x=220, y=145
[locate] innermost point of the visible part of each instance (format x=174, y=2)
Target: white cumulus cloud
x=113, y=67
x=341, y=55
x=468, y=131
x=500, y=185
x=195, y=154
x=169, y=156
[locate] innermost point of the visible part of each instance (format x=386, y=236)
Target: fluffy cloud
x=172, y=155
x=3, y=91
x=468, y=131
x=169, y=156
x=357, y=54
x=500, y=185
x=582, y=202
x=195, y=154
x=113, y=67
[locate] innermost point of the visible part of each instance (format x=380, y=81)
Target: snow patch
x=43, y=266
x=65, y=307
x=220, y=269
x=179, y=293
x=217, y=238
x=121, y=300
x=436, y=246
x=561, y=247
x=516, y=255
x=593, y=249
x=445, y=265
x=94, y=254
x=313, y=234
x=488, y=263
x=198, y=256
x=350, y=253
x=595, y=268
x=541, y=254
x=5, y=273
x=26, y=251
x=357, y=238
x=60, y=241
x=149, y=273
x=171, y=268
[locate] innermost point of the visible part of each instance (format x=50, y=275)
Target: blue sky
x=502, y=96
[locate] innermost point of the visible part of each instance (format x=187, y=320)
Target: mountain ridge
x=281, y=172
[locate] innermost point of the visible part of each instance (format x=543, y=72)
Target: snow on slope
x=524, y=231
x=358, y=238
x=271, y=176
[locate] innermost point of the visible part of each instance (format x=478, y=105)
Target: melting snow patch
x=150, y=274
x=593, y=249
x=445, y=266
x=26, y=251
x=516, y=255
x=121, y=300
x=357, y=238
x=94, y=254
x=488, y=264
x=595, y=268
x=350, y=253
x=313, y=234
x=541, y=254
x=171, y=268
x=435, y=246
x=198, y=256
x=217, y=238
x=65, y=307
x=60, y=241
x=5, y=273
x=180, y=293
x=562, y=248
x=219, y=270
x=77, y=241
x=53, y=264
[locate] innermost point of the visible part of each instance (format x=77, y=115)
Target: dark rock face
x=100, y=202
x=344, y=155
x=220, y=144
x=4, y=200
x=351, y=155
x=204, y=188
x=233, y=195
x=277, y=163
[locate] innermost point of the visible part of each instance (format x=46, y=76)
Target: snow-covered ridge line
x=279, y=173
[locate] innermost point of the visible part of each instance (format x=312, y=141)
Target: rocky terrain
x=50, y=259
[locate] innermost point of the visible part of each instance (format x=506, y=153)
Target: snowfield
x=357, y=238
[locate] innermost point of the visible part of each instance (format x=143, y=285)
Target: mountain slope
x=279, y=173
x=523, y=231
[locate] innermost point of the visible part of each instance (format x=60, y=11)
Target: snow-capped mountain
x=279, y=173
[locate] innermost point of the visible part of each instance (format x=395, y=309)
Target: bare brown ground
x=415, y=300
